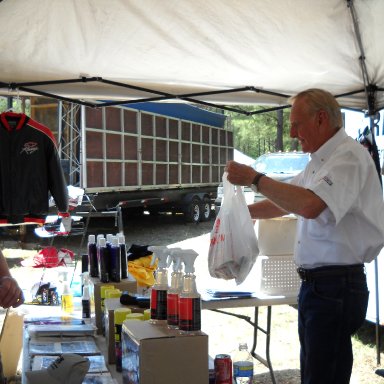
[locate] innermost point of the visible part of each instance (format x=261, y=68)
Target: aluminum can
x=223, y=369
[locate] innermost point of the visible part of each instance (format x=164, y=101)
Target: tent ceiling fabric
x=183, y=47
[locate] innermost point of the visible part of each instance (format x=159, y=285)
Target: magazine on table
x=59, y=345
x=44, y=361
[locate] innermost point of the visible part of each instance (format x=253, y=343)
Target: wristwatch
x=255, y=182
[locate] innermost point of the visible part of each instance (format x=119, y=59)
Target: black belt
x=329, y=271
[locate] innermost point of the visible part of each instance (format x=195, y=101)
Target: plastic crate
x=277, y=275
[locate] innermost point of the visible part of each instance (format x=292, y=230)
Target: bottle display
x=243, y=365
x=158, y=302
x=189, y=298
x=175, y=258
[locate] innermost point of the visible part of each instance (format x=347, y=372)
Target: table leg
x=255, y=323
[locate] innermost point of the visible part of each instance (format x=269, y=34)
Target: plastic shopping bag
x=233, y=243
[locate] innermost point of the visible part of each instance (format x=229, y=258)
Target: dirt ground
x=225, y=332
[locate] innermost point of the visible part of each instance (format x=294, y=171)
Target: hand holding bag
x=233, y=243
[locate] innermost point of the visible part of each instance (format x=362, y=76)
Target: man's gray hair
x=319, y=99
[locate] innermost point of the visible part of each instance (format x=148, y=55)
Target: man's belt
x=329, y=271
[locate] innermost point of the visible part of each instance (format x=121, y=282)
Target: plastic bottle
x=114, y=260
x=66, y=296
x=174, y=288
x=160, y=288
x=243, y=365
x=189, y=298
x=92, y=257
x=103, y=256
x=85, y=298
x=123, y=257
x=120, y=315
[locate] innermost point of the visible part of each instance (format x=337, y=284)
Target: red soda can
x=223, y=369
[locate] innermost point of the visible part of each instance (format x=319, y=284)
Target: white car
x=280, y=166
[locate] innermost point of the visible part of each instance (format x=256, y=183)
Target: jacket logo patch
x=29, y=148
x=327, y=180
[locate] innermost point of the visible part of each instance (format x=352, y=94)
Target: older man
x=339, y=204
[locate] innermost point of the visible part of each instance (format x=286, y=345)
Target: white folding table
x=256, y=301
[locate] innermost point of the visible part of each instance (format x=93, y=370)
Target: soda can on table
x=223, y=369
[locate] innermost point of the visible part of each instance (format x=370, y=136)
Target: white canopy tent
x=221, y=52
x=217, y=51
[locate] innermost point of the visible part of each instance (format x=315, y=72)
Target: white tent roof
x=182, y=47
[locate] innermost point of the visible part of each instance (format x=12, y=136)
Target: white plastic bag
x=233, y=244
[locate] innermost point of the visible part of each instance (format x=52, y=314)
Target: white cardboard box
x=155, y=354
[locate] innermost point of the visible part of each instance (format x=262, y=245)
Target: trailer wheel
x=205, y=212
x=193, y=209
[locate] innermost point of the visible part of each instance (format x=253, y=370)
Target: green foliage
x=18, y=105
x=255, y=134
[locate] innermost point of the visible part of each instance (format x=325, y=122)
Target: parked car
x=280, y=166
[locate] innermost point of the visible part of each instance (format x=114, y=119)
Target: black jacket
x=29, y=169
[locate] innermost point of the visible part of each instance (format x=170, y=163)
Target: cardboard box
x=155, y=354
x=95, y=292
x=276, y=236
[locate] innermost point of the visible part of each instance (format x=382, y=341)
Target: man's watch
x=255, y=182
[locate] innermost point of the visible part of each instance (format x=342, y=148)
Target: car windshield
x=281, y=163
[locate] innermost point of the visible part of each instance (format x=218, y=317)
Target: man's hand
x=240, y=174
x=10, y=293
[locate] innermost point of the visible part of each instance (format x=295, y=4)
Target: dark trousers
x=331, y=309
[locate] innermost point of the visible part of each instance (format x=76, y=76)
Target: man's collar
x=326, y=150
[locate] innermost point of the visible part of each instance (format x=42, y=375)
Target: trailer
x=154, y=157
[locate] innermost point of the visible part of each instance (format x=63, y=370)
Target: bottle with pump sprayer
x=159, y=290
x=189, y=298
x=175, y=288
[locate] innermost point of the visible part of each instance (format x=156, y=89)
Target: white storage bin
x=277, y=275
x=276, y=236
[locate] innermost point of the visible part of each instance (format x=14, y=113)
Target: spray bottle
x=175, y=288
x=160, y=288
x=189, y=298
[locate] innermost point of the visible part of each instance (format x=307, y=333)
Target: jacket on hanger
x=30, y=169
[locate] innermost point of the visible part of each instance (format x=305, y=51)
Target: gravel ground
x=225, y=332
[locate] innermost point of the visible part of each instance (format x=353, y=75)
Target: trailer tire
x=205, y=211
x=193, y=211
